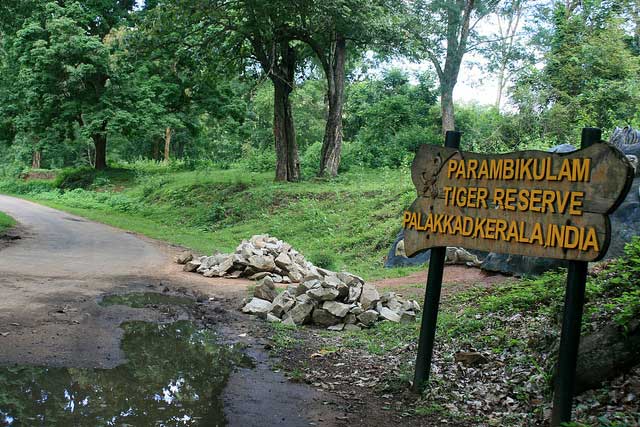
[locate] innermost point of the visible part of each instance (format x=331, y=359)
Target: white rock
x=369, y=296
x=323, y=294
x=389, y=314
x=258, y=307
x=336, y=308
x=368, y=318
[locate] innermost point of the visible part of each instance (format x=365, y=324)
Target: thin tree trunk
x=36, y=159
x=167, y=143
x=446, y=106
x=100, y=142
x=287, y=161
x=332, y=143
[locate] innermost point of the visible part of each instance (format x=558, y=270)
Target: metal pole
x=431, y=299
x=571, y=323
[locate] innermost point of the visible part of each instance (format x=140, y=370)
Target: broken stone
x=324, y=271
x=282, y=303
x=273, y=319
x=258, y=307
x=283, y=261
x=332, y=281
x=350, y=319
x=338, y=327
x=306, y=286
x=336, y=308
x=259, y=275
x=212, y=272
x=368, y=318
x=184, y=257
x=225, y=266
x=300, y=313
x=355, y=290
x=191, y=266
x=265, y=289
x=261, y=262
x=276, y=278
x=323, y=294
x=323, y=317
x=369, y=296
x=356, y=309
x=389, y=314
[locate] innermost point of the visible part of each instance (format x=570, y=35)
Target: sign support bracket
x=432, y=300
x=571, y=322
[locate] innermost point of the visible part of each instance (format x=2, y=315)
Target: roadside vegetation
x=514, y=329
x=347, y=223
x=6, y=222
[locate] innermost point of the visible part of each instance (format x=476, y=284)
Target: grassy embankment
x=343, y=224
x=6, y=222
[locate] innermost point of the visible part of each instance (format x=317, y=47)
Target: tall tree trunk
x=335, y=74
x=287, y=161
x=167, y=143
x=100, y=142
x=36, y=159
x=446, y=107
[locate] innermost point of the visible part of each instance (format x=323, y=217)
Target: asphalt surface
x=52, y=278
x=57, y=244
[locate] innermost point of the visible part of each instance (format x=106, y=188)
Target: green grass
x=343, y=224
x=6, y=222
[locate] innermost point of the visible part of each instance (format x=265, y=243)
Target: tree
x=506, y=49
x=247, y=35
x=330, y=28
x=445, y=30
x=590, y=74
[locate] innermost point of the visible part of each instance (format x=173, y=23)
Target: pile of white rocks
x=337, y=301
x=256, y=258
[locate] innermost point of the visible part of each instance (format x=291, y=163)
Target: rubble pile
x=338, y=301
x=256, y=258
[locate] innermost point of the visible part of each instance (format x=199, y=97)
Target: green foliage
x=621, y=285
x=6, y=222
x=70, y=179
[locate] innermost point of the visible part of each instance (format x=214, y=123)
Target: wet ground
x=174, y=375
x=99, y=327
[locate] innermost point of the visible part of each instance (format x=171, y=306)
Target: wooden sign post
x=530, y=203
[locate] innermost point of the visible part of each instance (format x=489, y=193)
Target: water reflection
x=173, y=376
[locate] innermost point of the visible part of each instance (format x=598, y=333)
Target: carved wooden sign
x=528, y=203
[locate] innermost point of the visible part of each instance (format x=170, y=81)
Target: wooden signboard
x=528, y=203
x=531, y=203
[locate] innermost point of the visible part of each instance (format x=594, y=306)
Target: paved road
x=57, y=244
x=51, y=279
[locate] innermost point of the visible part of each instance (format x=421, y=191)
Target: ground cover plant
x=6, y=222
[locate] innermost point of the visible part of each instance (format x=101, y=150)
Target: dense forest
x=304, y=88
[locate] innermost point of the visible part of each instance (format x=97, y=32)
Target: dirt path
x=53, y=277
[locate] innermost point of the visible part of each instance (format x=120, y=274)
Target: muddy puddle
x=174, y=376
x=143, y=299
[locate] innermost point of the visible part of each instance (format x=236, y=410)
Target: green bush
x=16, y=186
x=72, y=178
x=621, y=284
x=256, y=160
